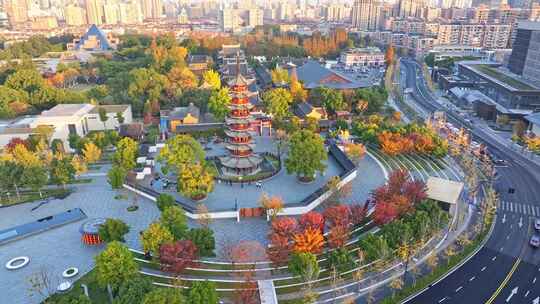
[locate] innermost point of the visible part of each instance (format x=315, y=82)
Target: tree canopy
x=306, y=154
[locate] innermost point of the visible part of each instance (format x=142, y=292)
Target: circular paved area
x=60, y=248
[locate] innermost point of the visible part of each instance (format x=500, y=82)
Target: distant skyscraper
x=74, y=15
x=94, y=12
x=410, y=8
x=17, y=11
x=255, y=17
x=183, y=16
x=152, y=9
x=365, y=14
x=111, y=12
x=130, y=13
x=525, y=57
x=229, y=19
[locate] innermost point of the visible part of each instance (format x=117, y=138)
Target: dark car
x=537, y=224
x=535, y=241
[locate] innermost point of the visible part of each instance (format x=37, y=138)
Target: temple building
x=241, y=159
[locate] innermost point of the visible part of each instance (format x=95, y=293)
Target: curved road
x=506, y=269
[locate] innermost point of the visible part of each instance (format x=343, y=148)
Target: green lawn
x=31, y=196
x=491, y=72
x=97, y=294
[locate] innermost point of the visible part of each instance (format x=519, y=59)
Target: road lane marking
x=534, y=280
x=512, y=293
x=527, y=293
x=495, y=257
x=441, y=300
x=504, y=282
x=459, y=288
x=472, y=278
x=483, y=268
x=511, y=208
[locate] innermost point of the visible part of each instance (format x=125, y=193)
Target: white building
x=363, y=57
x=67, y=119
x=255, y=17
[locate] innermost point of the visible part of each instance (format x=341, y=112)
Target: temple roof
x=241, y=162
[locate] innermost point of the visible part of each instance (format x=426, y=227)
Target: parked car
x=537, y=224
x=535, y=241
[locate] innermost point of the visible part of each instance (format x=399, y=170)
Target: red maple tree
x=176, y=257
x=338, y=236
x=14, y=142
x=358, y=213
x=384, y=213
x=313, y=220
x=338, y=215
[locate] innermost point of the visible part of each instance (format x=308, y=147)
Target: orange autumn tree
x=338, y=236
x=355, y=151
x=310, y=240
x=272, y=204
x=394, y=143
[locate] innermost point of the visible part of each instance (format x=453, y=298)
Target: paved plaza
x=60, y=248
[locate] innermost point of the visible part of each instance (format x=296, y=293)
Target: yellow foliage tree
x=25, y=157
x=311, y=240
x=355, y=151
x=91, y=153
x=79, y=165
x=297, y=91
x=533, y=143
x=195, y=181
x=279, y=76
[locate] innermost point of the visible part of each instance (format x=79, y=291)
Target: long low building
x=67, y=119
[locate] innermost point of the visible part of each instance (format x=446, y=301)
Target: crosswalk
x=514, y=207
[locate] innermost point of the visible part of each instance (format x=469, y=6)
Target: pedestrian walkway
x=513, y=207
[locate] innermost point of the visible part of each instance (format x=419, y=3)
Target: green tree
x=62, y=171
x=35, y=177
x=305, y=266
x=57, y=146
x=153, y=237
x=145, y=85
x=126, y=153
x=306, y=155
x=71, y=299
x=174, y=219
x=181, y=150
x=113, y=230
x=9, y=96
x=219, y=102
x=204, y=239
x=103, y=117
x=133, y=290
x=120, y=118
x=202, y=292
x=115, y=265
x=277, y=102
x=341, y=259
x=11, y=175
x=164, y=201
x=164, y=296
x=98, y=92
x=212, y=78
x=116, y=177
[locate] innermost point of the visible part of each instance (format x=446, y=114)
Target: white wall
x=94, y=124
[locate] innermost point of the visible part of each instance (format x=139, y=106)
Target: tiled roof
x=312, y=74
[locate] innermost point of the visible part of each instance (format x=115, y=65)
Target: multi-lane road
x=506, y=269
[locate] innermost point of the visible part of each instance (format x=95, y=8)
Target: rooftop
x=68, y=110
x=313, y=75
x=502, y=77
x=110, y=108
x=443, y=190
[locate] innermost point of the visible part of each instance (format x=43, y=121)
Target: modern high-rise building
x=94, y=12
x=152, y=9
x=130, y=13
x=183, y=16
x=17, y=11
x=410, y=8
x=74, y=15
x=229, y=19
x=111, y=12
x=525, y=57
x=255, y=17
x=365, y=15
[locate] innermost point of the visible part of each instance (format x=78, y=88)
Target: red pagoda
x=241, y=159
